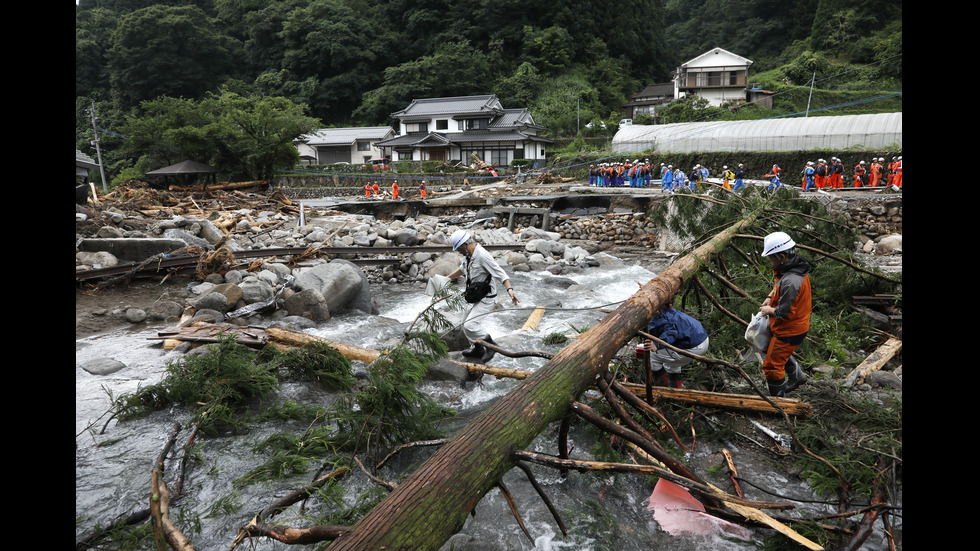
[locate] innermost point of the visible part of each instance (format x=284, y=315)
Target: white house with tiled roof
x=343, y=145
x=716, y=75
x=452, y=129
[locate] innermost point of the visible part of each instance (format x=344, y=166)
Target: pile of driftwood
x=223, y=203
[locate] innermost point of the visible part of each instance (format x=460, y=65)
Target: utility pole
x=98, y=150
x=813, y=80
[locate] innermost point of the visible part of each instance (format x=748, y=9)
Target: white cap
x=458, y=238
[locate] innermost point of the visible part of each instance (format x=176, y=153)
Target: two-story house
x=343, y=145
x=648, y=100
x=452, y=129
x=716, y=75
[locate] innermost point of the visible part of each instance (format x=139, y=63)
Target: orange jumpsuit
x=875, y=174
x=394, y=190
x=859, y=172
x=376, y=189
x=367, y=190
x=791, y=322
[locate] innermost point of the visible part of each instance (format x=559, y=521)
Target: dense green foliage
x=354, y=62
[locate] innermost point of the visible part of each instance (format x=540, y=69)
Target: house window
x=411, y=127
x=712, y=78
x=442, y=124
x=364, y=146
x=498, y=157
x=476, y=124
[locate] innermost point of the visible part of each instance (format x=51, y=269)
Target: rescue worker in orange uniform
x=837, y=173
x=394, y=190
x=376, y=189
x=367, y=189
x=876, y=170
x=898, y=172
x=422, y=189
x=788, y=307
x=860, y=174
x=820, y=178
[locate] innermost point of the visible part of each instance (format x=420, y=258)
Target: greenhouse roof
x=873, y=131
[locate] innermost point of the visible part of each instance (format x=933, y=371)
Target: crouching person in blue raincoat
x=680, y=331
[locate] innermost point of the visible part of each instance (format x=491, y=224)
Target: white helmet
x=777, y=242
x=458, y=238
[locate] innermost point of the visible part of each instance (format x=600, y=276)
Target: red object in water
x=677, y=512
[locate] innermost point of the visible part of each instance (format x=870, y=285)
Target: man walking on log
x=479, y=266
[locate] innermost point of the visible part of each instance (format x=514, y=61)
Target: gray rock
x=210, y=232
x=406, y=237
x=884, y=379
x=232, y=292
x=103, y=366
x=109, y=232
x=135, y=315
x=255, y=290
x=188, y=238
x=212, y=301
x=165, y=310
x=342, y=283
x=447, y=370
x=99, y=259
x=308, y=303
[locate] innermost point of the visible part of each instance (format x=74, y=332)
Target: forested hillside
x=354, y=62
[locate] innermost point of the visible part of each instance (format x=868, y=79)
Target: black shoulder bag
x=475, y=290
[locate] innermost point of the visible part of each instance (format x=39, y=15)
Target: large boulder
x=308, y=303
x=342, y=283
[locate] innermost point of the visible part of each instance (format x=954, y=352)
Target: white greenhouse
x=832, y=133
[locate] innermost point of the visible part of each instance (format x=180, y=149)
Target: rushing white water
x=602, y=512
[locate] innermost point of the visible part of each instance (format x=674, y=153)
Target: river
x=602, y=512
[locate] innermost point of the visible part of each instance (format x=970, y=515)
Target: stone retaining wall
x=874, y=216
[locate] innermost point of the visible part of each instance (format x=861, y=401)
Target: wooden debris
x=874, y=362
x=533, y=320
x=740, y=402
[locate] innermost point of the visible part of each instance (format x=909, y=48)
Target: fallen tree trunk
x=432, y=504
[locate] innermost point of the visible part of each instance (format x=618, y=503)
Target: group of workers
x=673, y=339
x=373, y=189
x=627, y=173
x=823, y=174
x=820, y=174
x=639, y=173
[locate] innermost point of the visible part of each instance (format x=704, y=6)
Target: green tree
x=244, y=137
x=337, y=46
x=520, y=88
x=551, y=49
x=455, y=69
x=93, y=38
x=166, y=51
x=691, y=108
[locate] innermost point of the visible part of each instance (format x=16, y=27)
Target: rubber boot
x=674, y=380
x=487, y=352
x=794, y=375
x=659, y=377
x=475, y=351
x=777, y=388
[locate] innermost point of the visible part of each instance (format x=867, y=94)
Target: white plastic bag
x=758, y=333
x=436, y=283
